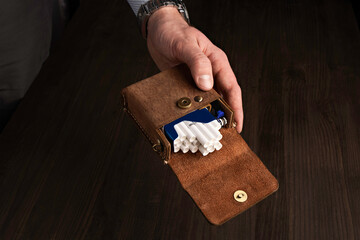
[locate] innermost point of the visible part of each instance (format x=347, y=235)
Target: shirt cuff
x=135, y=5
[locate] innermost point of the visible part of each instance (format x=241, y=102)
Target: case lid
x=225, y=182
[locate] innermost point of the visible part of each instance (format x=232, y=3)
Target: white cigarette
x=215, y=124
x=215, y=132
x=193, y=148
x=203, y=150
x=195, y=142
x=211, y=149
x=200, y=137
x=176, y=149
x=186, y=143
x=177, y=141
x=189, y=134
x=184, y=148
x=204, y=130
x=218, y=146
x=180, y=133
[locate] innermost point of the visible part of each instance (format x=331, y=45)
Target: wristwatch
x=152, y=6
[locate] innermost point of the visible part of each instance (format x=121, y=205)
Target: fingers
x=199, y=64
x=227, y=83
x=234, y=99
x=205, y=63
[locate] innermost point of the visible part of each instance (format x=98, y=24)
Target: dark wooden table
x=74, y=166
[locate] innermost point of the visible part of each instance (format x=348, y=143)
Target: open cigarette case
x=223, y=183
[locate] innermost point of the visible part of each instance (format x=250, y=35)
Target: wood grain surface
x=74, y=166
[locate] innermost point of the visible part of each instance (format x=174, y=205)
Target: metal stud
x=184, y=102
x=198, y=98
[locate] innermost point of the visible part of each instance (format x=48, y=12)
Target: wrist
x=166, y=13
x=165, y=16
x=160, y=12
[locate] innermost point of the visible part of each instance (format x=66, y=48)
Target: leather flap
x=212, y=180
x=154, y=99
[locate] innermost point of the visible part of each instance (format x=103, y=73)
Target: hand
x=172, y=41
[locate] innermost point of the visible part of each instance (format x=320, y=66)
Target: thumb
x=200, y=66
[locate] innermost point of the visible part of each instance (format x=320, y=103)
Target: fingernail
x=205, y=82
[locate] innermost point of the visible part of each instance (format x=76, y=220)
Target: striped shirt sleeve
x=135, y=4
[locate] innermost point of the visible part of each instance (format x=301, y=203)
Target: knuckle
x=201, y=59
x=221, y=54
x=233, y=87
x=198, y=59
x=237, y=86
x=192, y=31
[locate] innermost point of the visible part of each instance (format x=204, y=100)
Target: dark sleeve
x=25, y=36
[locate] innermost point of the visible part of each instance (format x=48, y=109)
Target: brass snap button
x=198, y=98
x=184, y=102
x=240, y=196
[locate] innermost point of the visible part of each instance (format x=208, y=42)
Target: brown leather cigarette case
x=223, y=183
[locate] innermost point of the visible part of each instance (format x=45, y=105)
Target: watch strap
x=148, y=8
